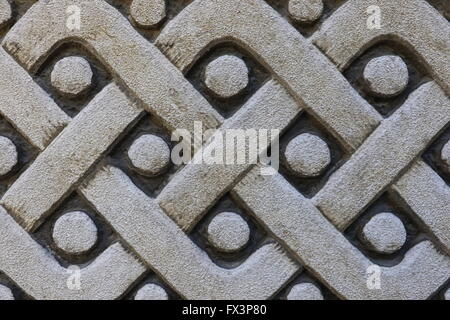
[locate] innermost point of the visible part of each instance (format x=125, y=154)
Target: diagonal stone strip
x=184, y=54
x=281, y=259
x=278, y=268
x=70, y=147
x=384, y=155
x=66, y=160
x=187, y=196
x=255, y=26
x=26, y=262
x=328, y=254
x=170, y=252
x=39, y=119
x=345, y=34
x=28, y=106
x=42, y=277
x=179, y=41
x=319, y=246
x=222, y=283
x=136, y=63
x=179, y=104
x=428, y=42
x=429, y=197
x=187, y=36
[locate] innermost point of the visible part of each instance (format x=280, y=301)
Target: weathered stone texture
x=92, y=207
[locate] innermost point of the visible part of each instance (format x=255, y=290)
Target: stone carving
x=72, y=76
x=92, y=208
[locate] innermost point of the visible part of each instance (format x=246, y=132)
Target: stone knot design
x=92, y=208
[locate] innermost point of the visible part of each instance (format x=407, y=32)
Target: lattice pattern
x=152, y=228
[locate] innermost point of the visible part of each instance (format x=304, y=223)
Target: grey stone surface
x=165, y=247
x=26, y=261
x=5, y=12
x=384, y=233
x=307, y=155
x=75, y=232
x=35, y=115
x=394, y=145
x=428, y=195
x=386, y=76
x=291, y=58
x=321, y=246
x=151, y=291
x=305, y=10
x=445, y=155
x=305, y=291
x=342, y=39
x=72, y=75
x=149, y=154
x=228, y=232
x=8, y=155
x=148, y=13
x=226, y=76
x=70, y=155
x=258, y=112
x=362, y=115
x=6, y=293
